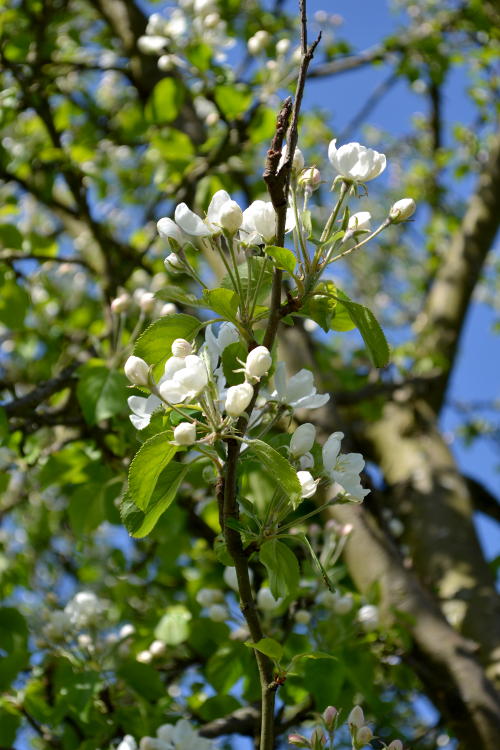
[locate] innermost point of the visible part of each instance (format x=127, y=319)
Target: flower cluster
x=323, y=736
x=179, y=736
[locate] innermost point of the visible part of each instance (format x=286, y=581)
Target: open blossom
x=168, y=230
x=344, y=468
x=181, y=736
x=142, y=410
x=299, y=391
x=186, y=382
x=215, y=344
x=355, y=162
x=221, y=206
x=128, y=743
x=259, y=223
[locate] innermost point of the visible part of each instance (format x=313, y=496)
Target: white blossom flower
x=190, y=223
x=282, y=46
x=343, y=604
x=126, y=631
x=58, y=625
x=128, y=743
x=168, y=230
x=363, y=735
x=169, y=308
x=137, y=371
x=298, y=159
x=355, y=162
x=402, y=210
x=302, y=439
x=84, y=609
x=206, y=597
x=218, y=613
x=258, y=363
x=307, y=483
x=299, y=391
x=151, y=45
x=147, y=302
x=306, y=461
x=215, y=344
x=302, y=617
x=157, y=648
x=395, y=745
x=344, y=468
x=237, y=399
x=186, y=382
x=185, y=433
x=368, y=617
x=182, y=736
x=266, y=601
x=257, y=43
x=144, y=657
x=259, y=223
x=142, y=410
x=356, y=718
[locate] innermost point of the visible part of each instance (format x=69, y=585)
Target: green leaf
x=249, y=282
x=14, y=644
x=279, y=469
x=368, y=326
x=341, y=320
x=224, y=302
x=101, y=392
x=10, y=237
x=283, y=258
x=14, y=303
x=269, y=647
x=282, y=568
x=173, y=627
x=154, y=345
x=140, y=523
x=4, y=426
x=233, y=100
x=170, y=293
x=143, y=679
x=165, y=101
x=9, y=724
x=230, y=363
x=146, y=467
x=218, y=706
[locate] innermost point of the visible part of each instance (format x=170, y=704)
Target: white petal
x=315, y=401
x=218, y=200
x=190, y=222
x=331, y=450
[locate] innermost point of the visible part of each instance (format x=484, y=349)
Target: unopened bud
x=310, y=178
x=258, y=42
x=318, y=739
x=237, y=399
x=185, y=433
x=211, y=20
x=173, y=263
x=402, y=210
x=181, y=348
x=363, y=735
x=282, y=46
x=298, y=740
x=356, y=718
x=360, y=222
x=147, y=302
x=230, y=216
x=137, y=371
x=218, y=613
x=329, y=717
x=302, y=439
x=258, y=363
x=121, y=303
x=395, y=745
x=168, y=309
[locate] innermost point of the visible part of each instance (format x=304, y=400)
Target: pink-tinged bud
x=395, y=745
x=310, y=178
x=137, y=371
x=356, y=718
x=298, y=740
x=329, y=717
x=363, y=735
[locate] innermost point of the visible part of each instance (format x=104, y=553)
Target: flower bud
x=258, y=363
x=310, y=178
x=356, y=718
x=121, y=303
x=147, y=302
x=157, y=648
x=360, y=221
x=181, y=348
x=307, y=483
x=266, y=601
x=185, y=433
x=168, y=309
x=298, y=160
x=218, y=613
x=395, y=745
x=206, y=597
x=402, y=210
x=211, y=21
x=302, y=617
x=298, y=740
x=145, y=657
x=173, y=263
x=329, y=717
x=237, y=399
x=343, y=604
x=137, y=371
x=282, y=46
x=230, y=216
x=368, y=616
x=166, y=63
x=257, y=43
x=318, y=739
x=302, y=439
x=363, y=735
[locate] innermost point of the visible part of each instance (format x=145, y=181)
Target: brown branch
x=25, y=405
x=482, y=499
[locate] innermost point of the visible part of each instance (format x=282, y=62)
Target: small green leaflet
x=146, y=467
x=224, y=302
x=140, y=523
x=154, y=345
x=100, y=391
x=165, y=101
x=173, y=627
x=279, y=469
x=369, y=328
x=259, y=267
x=282, y=568
x=283, y=258
x=230, y=357
x=269, y=647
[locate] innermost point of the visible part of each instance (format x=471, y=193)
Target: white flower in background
x=126, y=631
x=266, y=601
x=363, y=735
x=258, y=363
x=190, y=377
x=152, y=45
x=144, y=657
x=360, y=222
x=147, y=302
x=84, y=609
x=259, y=223
x=302, y=617
x=355, y=162
x=258, y=42
x=302, y=439
x=343, y=604
x=206, y=597
x=128, y=743
x=185, y=433
x=231, y=579
x=306, y=461
x=181, y=348
x=156, y=24
x=168, y=230
x=157, y=648
x=120, y=303
x=142, y=410
x=169, y=308
x=180, y=736
x=368, y=617
x=307, y=483
x=173, y=263
x=299, y=391
x=58, y=625
x=237, y=399
x=356, y=718
x=402, y=210
x=395, y=745
x=282, y=46
x=215, y=344
x=218, y=613
x=137, y=371
x=298, y=158
x=344, y=468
